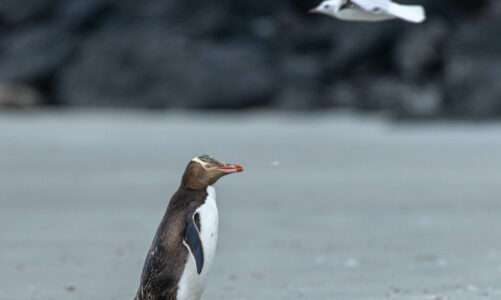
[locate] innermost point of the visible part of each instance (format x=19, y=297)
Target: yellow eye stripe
x=198, y=160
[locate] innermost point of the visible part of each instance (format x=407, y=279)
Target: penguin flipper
x=193, y=241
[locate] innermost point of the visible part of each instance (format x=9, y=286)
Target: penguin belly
x=192, y=284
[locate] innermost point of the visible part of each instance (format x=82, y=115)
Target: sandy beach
x=330, y=206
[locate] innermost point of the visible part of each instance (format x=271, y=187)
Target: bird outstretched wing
x=193, y=240
x=411, y=13
x=373, y=6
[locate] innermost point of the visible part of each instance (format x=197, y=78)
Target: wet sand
x=330, y=206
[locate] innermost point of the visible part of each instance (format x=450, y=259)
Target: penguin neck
x=186, y=197
x=204, y=188
x=193, y=186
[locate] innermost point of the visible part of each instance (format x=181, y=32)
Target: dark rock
x=298, y=97
x=419, y=54
x=300, y=80
x=150, y=67
x=403, y=99
x=15, y=11
x=34, y=53
x=451, y=11
x=388, y=94
x=81, y=15
x=493, y=9
x=300, y=69
x=253, y=8
x=473, y=89
x=19, y=96
x=151, y=9
x=478, y=38
x=210, y=20
x=463, y=7
x=360, y=44
x=415, y=101
x=244, y=53
x=473, y=70
x=305, y=5
x=342, y=94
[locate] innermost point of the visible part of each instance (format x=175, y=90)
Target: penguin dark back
x=184, y=245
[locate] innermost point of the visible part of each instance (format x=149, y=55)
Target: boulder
x=149, y=66
x=300, y=69
x=341, y=94
x=473, y=89
x=13, y=12
x=402, y=99
x=300, y=77
x=194, y=18
x=358, y=45
x=473, y=69
x=419, y=53
x=452, y=11
x=243, y=53
x=300, y=97
x=34, y=53
x=81, y=16
x=19, y=96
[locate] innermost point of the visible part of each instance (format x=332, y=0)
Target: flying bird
x=370, y=10
x=183, y=248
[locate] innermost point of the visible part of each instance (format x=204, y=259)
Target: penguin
x=182, y=251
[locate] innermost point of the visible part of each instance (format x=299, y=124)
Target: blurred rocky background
x=247, y=54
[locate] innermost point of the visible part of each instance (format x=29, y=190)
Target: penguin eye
x=327, y=6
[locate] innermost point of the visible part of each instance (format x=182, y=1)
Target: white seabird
x=370, y=10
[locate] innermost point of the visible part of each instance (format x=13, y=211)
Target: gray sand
x=330, y=207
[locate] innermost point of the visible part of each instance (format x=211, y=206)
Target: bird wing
x=193, y=241
x=411, y=13
x=373, y=6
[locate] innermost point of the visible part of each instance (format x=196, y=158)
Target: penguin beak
x=231, y=168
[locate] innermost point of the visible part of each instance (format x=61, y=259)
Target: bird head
x=329, y=7
x=204, y=170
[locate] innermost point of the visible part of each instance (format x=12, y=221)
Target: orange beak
x=231, y=168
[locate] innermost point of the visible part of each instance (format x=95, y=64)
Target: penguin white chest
x=192, y=284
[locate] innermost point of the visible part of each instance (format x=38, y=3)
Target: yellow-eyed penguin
x=183, y=248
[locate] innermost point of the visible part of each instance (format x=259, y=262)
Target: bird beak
x=231, y=168
x=315, y=10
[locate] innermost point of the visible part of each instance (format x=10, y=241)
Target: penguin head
x=204, y=170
